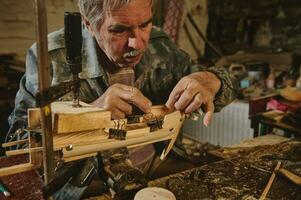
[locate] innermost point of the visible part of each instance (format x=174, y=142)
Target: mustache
x=132, y=53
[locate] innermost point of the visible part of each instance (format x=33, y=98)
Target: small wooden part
x=16, y=169
x=291, y=176
x=9, y=144
x=268, y=186
x=34, y=118
x=23, y=151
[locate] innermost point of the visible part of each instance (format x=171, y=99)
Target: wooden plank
x=16, y=169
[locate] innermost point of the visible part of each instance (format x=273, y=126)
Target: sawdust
x=242, y=177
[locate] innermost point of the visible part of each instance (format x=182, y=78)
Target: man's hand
x=118, y=99
x=194, y=91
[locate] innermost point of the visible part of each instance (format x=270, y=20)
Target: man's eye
x=144, y=25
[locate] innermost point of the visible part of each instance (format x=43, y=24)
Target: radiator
x=228, y=127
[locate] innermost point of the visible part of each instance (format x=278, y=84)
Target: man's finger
x=195, y=104
x=209, y=109
x=117, y=114
x=134, y=96
x=185, y=99
x=142, y=102
x=175, y=94
x=123, y=106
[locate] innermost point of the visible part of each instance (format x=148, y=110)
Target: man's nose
x=135, y=41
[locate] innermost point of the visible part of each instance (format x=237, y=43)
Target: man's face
x=125, y=33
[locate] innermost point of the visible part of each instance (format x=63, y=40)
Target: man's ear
x=88, y=25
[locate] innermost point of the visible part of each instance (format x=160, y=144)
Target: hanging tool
x=73, y=44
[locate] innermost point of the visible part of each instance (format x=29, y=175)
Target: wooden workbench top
x=243, y=174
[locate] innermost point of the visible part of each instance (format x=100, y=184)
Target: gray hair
x=95, y=10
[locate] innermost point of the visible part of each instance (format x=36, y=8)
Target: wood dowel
x=16, y=169
x=267, y=188
x=9, y=144
x=23, y=151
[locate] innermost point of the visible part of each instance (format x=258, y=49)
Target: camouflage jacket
x=160, y=69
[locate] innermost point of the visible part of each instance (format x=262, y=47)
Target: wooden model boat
x=82, y=132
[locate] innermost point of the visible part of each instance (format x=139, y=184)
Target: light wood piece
x=268, y=186
x=67, y=119
x=16, y=169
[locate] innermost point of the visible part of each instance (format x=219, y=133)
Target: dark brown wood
x=44, y=82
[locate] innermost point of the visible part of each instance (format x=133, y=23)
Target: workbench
x=243, y=173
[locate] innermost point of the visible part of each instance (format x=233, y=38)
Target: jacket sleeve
x=25, y=96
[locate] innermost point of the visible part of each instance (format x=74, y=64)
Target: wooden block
x=34, y=118
x=67, y=119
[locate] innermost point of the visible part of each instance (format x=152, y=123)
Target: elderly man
x=127, y=62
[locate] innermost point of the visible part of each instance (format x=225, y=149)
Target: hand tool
x=73, y=44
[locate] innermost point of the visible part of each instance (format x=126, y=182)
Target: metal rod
x=44, y=83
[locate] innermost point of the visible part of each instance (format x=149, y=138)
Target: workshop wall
x=17, y=23
x=18, y=32
x=236, y=24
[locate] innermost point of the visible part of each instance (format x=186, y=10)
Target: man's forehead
x=133, y=12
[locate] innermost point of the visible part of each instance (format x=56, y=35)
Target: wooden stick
x=9, y=144
x=16, y=169
x=23, y=151
x=291, y=176
x=268, y=186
